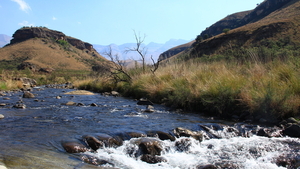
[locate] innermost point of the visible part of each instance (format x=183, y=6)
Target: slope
x=48, y=49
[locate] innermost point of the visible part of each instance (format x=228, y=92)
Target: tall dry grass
x=264, y=90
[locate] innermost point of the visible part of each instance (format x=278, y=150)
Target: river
x=32, y=137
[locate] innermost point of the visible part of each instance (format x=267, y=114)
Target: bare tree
x=142, y=51
x=117, y=71
x=155, y=65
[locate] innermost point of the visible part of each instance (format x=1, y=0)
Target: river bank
x=40, y=135
x=257, y=92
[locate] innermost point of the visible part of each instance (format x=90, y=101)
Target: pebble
x=1, y=116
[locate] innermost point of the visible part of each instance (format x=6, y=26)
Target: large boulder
x=292, y=130
x=149, y=146
x=108, y=140
x=74, y=147
x=93, y=142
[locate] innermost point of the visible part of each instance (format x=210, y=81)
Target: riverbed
x=32, y=137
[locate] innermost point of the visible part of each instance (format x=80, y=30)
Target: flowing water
x=32, y=137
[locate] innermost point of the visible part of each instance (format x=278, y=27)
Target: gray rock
x=292, y=130
x=114, y=93
x=144, y=101
x=20, y=106
x=70, y=103
x=28, y=95
x=94, y=105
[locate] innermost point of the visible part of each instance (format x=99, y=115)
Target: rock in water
x=74, y=147
x=80, y=92
x=28, y=95
x=144, y=101
x=292, y=130
x=1, y=116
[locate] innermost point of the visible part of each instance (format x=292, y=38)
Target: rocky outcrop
x=35, y=32
x=26, y=33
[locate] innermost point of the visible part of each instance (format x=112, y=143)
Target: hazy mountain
x=4, y=39
x=153, y=49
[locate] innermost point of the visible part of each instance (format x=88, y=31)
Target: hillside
x=40, y=49
x=266, y=12
x=280, y=27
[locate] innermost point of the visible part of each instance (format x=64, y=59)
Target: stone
x=79, y=104
x=144, y=101
x=74, y=147
x=291, y=120
x=93, y=105
x=152, y=159
x=208, y=166
x=28, y=95
x=114, y=93
x=2, y=104
x=1, y=116
x=183, y=145
x=161, y=135
x=93, y=142
x=70, y=103
x=20, y=106
x=292, y=131
x=108, y=140
x=182, y=132
x=149, y=146
x=79, y=92
x=95, y=161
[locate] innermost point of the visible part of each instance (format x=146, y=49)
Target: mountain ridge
x=233, y=22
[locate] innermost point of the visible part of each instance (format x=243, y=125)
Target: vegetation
x=262, y=83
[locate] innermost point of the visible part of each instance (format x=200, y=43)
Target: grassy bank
x=8, y=82
x=254, y=89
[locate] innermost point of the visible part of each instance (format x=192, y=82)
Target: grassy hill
x=278, y=29
x=48, y=51
x=271, y=22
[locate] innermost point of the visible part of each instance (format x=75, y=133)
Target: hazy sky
x=113, y=21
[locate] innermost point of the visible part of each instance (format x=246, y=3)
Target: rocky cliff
x=26, y=33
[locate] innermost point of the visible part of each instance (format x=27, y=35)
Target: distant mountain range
x=4, y=39
x=153, y=49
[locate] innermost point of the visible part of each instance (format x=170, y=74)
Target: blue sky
x=113, y=21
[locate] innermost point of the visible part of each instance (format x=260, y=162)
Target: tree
x=142, y=51
x=118, y=73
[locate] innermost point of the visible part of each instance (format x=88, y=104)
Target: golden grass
x=265, y=90
x=47, y=53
